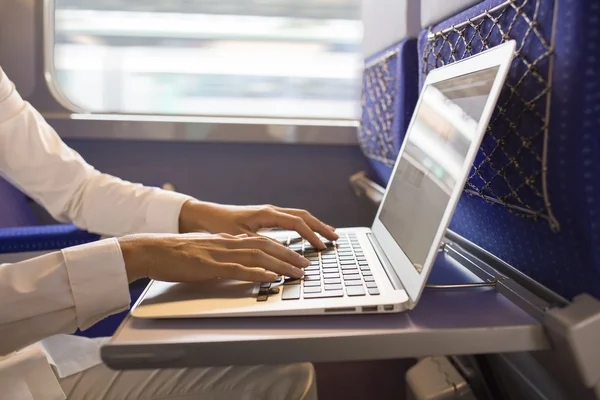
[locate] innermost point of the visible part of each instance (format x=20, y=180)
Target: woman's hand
x=215, y=218
x=200, y=257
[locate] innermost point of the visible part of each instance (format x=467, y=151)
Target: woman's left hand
x=197, y=216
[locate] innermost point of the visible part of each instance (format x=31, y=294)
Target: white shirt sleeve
x=76, y=287
x=35, y=159
x=60, y=291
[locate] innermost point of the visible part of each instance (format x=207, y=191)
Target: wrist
x=195, y=216
x=137, y=251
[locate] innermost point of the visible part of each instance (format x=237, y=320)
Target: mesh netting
x=376, y=135
x=511, y=166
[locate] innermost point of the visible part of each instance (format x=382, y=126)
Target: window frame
x=265, y=129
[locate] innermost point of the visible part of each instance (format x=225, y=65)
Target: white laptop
x=384, y=268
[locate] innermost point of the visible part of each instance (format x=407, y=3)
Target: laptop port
x=388, y=307
x=336, y=310
x=370, y=309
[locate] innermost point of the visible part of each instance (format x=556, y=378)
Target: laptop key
x=262, y=297
x=353, y=283
x=365, y=268
x=312, y=289
x=332, y=281
x=326, y=293
x=355, y=291
x=371, y=285
x=312, y=277
x=369, y=279
x=312, y=273
x=373, y=291
x=351, y=277
x=312, y=283
x=274, y=290
x=350, y=271
x=350, y=262
x=329, y=276
x=367, y=273
x=291, y=292
x=337, y=286
x=349, y=267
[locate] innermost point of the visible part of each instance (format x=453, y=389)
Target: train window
x=236, y=58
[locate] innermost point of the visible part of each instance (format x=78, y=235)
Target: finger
x=274, y=249
x=316, y=225
x=289, y=221
x=243, y=273
x=259, y=259
x=258, y=235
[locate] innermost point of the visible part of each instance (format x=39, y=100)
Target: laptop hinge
x=387, y=266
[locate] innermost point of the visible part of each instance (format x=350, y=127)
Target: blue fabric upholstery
x=19, y=229
x=563, y=255
x=42, y=238
x=390, y=93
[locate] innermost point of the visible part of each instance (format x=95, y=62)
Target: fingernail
x=305, y=262
x=270, y=275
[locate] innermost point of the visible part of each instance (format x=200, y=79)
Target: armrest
x=42, y=238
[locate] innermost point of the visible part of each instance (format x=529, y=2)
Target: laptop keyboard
x=340, y=270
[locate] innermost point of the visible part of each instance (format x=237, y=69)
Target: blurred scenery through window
x=243, y=58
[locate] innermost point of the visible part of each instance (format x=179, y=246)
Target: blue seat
x=20, y=230
x=389, y=96
x=533, y=196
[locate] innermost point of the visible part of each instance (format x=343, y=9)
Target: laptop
x=384, y=268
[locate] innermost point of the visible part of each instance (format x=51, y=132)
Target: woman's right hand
x=198, y=257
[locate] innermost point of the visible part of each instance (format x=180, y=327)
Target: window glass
x=248, y=58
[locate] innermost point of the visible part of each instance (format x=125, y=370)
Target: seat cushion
x=534, y=192
x=42, y=238
x=390, y=92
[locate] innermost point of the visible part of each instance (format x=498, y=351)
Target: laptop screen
x=432, y=162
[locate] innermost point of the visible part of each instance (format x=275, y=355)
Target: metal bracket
x=574, y=332
x=365, y=187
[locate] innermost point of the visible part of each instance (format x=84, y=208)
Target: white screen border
x=412, y=280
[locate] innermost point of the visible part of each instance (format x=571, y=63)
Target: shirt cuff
x=164, y=210
x=98, y=280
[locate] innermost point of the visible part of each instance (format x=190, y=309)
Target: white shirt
x=76, y=287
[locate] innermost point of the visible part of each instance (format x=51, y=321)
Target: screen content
x=433, y=161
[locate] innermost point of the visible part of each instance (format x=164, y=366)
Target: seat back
x=14, y=207
x=390, y=80
x=533, y=194
x=390, y=93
